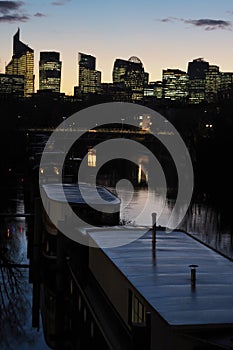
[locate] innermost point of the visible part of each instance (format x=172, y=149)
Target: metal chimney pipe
x=193, y=274
x=153, y=231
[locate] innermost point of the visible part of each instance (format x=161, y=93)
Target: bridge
x=100, y=134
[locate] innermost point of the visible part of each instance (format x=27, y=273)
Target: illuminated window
x=91, y=157
x=137, y=312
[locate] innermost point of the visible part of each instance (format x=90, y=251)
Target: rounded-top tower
x=135, y=59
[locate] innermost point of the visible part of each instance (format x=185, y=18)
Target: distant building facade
x=154, y=90
x=50, y=71
x=117, y=93
x=158, y=90
x=212, y=86
x=89, y=78
x=12, y=84
x=130, y=75
x=226, y=85
x=175, y=85
x=197, y=70
x=22, y=63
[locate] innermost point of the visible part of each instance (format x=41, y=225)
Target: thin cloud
x=165, y=20
x=14, y=18
x=60, y=3
x=210, y=24
x=168, y=19
x=8, y=6
x=205, y=23
x=39, y=14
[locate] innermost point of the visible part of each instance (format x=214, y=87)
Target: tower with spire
x=22, y=63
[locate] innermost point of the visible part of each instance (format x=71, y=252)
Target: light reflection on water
x=201, y=220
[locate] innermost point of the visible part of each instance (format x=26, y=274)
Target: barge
x=97, y=213
x=160, y=290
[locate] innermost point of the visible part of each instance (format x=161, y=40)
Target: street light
x=64, y=119
x=122, y=121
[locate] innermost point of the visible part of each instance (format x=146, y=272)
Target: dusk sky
x=162, y=33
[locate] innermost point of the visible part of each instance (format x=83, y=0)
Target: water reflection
x=207, y=223
x=202, y=220
x=16, y=330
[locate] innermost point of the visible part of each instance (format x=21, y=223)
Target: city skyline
x=207, y=79
x=162, y=35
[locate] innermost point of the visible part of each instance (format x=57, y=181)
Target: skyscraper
x=226, y=85
x=130, y=74
x=50, y=71
x=175, y=85
x=197, y=79
x=119, y=71
x=213, y=80
x=89, y=77
x=22, y=63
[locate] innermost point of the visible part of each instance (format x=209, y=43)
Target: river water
x=16, y=330
x=209, y=222
x=203, y=220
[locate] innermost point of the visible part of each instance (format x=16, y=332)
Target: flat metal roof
x=164, y=281
x=74, y=196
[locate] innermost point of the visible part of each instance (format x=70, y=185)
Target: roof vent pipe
x=153, y=231
x=193, y=268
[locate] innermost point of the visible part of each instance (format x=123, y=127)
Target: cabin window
x=137, y=312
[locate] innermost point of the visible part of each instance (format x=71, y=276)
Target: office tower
x=22, y=63
x=130, y=75
x=12, y=84
x=197, y=74
x=119, y=71
x=86, y=61
x=89, y=77
x=226, y=85
x=212, y=85
x=50, y=71
x=175, y=85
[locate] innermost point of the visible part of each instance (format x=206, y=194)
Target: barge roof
x=74, y=195
x=164, y=280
